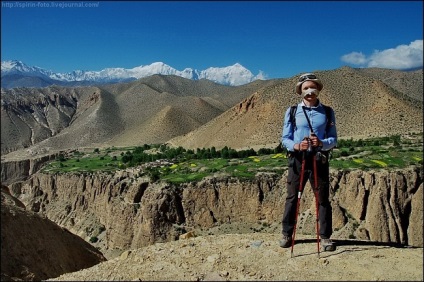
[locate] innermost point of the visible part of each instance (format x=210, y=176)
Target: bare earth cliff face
x=129, y=212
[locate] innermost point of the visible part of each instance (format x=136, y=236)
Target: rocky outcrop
x=35, y=248
x=227, y=200
x=127, y=211
x=19, y=170
x=383, y=204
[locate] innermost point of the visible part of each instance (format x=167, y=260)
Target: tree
x=126, y=158
x=233, y=153
x=61, y=158
x=214, y=154
x=279, y=149
x=225, y=153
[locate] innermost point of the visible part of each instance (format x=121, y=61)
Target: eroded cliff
x=124, y=211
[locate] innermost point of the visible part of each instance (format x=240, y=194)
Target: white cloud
x=261, y=75
x=354, y=58
x=400, y=57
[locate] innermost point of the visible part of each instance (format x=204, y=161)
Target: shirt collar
x=317, y=106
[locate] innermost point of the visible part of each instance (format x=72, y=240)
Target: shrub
x=344, y=153
x=60, y=158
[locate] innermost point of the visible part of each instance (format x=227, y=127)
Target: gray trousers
x=293, y=183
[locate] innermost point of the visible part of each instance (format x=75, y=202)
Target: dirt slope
x=257, y=256
x=35, y=248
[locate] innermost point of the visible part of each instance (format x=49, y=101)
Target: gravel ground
x=257, y=256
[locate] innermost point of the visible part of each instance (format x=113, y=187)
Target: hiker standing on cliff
x=310, y=140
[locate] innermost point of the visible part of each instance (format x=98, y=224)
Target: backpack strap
x=328, y=117
x=328, y=111
x=293, y=110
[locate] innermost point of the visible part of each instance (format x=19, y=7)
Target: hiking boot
x=285, y=242
x=327, y=245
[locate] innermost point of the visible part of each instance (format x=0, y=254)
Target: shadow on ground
x=351, y=246
x=340, y=243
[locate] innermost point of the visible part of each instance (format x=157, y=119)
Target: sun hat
x=308, y=77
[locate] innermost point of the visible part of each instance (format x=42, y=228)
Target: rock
x=124, y=255
x=256, y=244
x=415, y=227
x=187, y=235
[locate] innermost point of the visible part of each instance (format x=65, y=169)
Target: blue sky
x=280, y=39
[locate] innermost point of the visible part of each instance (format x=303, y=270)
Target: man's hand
x=315, y=141
x=304, y=145
x=308, y=141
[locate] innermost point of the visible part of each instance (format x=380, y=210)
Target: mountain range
x=17, y=74
x=200, y=113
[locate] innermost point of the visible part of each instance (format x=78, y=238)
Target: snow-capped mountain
x=18, y=67
x=234, y=75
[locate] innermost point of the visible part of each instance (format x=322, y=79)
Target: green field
x=187, y=166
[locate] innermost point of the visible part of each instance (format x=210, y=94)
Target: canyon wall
x=126, y=211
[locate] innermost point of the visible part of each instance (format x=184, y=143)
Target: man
x=312, y=143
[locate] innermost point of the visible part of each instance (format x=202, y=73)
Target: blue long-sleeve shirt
x=317, y=117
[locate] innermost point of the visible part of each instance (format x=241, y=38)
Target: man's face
x=309, y=85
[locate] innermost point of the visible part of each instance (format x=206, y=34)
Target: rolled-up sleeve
x=287, y=137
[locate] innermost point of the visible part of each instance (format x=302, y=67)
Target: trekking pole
x=299, y=195
x=316, y=198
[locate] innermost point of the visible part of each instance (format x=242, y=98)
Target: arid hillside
x=406, y=83
x=196, y=114
x=365, y=107
x=150, y=110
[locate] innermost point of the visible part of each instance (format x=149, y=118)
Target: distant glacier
x=17, y=74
